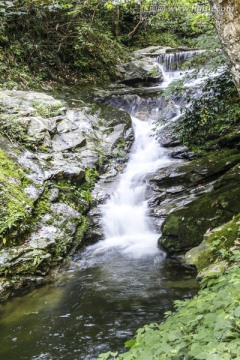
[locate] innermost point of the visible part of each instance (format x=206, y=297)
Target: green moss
x=212, y=164
x=42, y=206
x=16, y=206
x=220, y=244
x=47, y=111
x=80, y=233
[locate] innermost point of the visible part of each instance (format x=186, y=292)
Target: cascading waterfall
x=171, y=61
x=125, y=221
x=169, y=64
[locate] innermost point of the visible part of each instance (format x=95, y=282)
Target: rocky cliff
x=51, y=155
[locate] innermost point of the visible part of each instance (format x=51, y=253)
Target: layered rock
x=196, y=211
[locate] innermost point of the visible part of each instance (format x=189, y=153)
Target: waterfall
x=125, y=221
x=169, y=64
x=128, y=229
x=171, y=61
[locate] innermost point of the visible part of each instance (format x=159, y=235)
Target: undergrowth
x=213, y=115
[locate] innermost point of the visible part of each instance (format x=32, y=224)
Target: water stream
x=112, y=287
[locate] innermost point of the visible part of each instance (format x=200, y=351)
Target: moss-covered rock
x=198, y=171
x=220, y=243
x=16, y=206
x=51, y=160
x=184, y=228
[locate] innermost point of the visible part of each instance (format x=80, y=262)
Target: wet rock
x=199, y=171
x=182, y=152
x=188, y=198
x=69, y=140
x=38, y=129
x=54, y=194
x=46, y=245
x=150, y=51
x=167, y=137
x=33, y=192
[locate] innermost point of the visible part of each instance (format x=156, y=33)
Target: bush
x=215, y=113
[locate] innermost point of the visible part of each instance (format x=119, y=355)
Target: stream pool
x=93, y=308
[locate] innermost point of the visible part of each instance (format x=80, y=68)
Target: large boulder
x=144, y=70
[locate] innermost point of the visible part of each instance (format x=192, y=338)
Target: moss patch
x=222, y=243
x=16, y=206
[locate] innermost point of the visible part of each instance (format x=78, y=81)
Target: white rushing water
x=125, y=220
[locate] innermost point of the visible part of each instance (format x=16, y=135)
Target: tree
x=227, y=18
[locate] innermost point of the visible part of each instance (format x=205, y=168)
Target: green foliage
x=215, y=113
x=46, y=111
x=13, y=130
x=56, y=40
x=224, y=242
x=91, y=176
x=205, y=327
x=184, y=17
x=212, y=58
x=77, y=194
x=155, y=38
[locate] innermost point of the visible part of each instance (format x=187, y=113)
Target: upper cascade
x=172, y=60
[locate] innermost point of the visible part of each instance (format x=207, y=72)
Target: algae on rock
x=219, y=244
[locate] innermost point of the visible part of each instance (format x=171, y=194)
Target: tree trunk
x=140, y=22
x=116, y=19
x=227, y=18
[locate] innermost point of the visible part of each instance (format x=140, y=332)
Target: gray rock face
x=55, y=147
x=227, y=14
x=71, y=141
x=143, y=70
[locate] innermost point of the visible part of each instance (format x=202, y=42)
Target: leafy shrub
x=215, y=113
